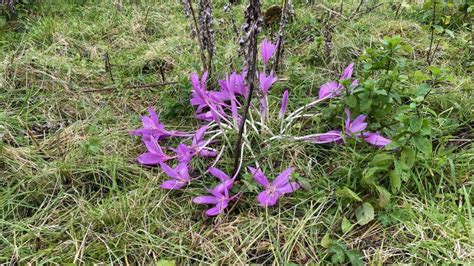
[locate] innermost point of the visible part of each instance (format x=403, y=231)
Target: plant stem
x=254, y=7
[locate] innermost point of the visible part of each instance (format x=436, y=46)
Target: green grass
x=71, y=191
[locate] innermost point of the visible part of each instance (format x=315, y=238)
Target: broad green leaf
x=348, y=193
x=395, y=181
x=423, y=144
x=365, y=213
x=415, y=124
x=326, y=241
x=355, y=258
x=351, y=101
x=382, y=160
x=408, y=156
x=422, y=90
x=346, y=225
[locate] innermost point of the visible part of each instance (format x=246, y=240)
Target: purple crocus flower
x=235, y=84
x=220, y=195
x=179, y=176
x=199, y=144
x=333, y=88
x=184, y=153
x=213, y=100
x=347, y=73
x=266, y=81
x=284, y=105
x=330, y=89
x=274, y=190
x=267, y=49
x=155, y=154
x=352, y=128
x=376, y=139
x=153, y=127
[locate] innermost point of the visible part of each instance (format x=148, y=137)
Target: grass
x=71, y=191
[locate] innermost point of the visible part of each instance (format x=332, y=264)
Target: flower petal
x=149, y=158
x=219, y=174
x=376, y=139
x=172, y=184
x=284, y=105
x=205, y=200
x=288, y=188
x=168, y=170
x=357, y=125
x=283, y=178
x=329, y=90
x=265, y=198
x=347, y=73
x=259, y=176
x=328, y=137
x=267, y=49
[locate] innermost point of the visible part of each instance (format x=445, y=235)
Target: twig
x=429, y=56
x=203, y=56
x=108, y=66
x=133, y=86
x=253, y=13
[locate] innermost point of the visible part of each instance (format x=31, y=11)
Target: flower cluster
x=219, y=109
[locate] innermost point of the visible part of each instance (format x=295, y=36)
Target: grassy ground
x=71, y=191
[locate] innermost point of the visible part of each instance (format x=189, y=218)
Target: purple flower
x=347, y=73
x=267, y=49
x=234, y=84
x=199, y=144
x=153, y=127
x=226, y=181
x=351, y=129
x=179, y=176
x=376, y=139
x=273, y=191
x=214, y=101
x=284, y=105
x=355, y=126
x=266, y=81
x=330, y=89
x=154, y=155
x=184, y=153
x=220, y=196
x=333, y=88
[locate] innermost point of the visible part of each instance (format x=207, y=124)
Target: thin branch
x=253, y=13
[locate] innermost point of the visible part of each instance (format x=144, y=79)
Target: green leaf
x=419, y=76
x=383, y=160
x=365, y=213
x=355, y=258
x=423, y=144
x=351, y=101
x=434, y=70
x=408, y=156
x=422, y=90
x=346, y=225
x=326, y=241
x=384, y=196
x=348, y=194
x=395, y=181
x=415, y=124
